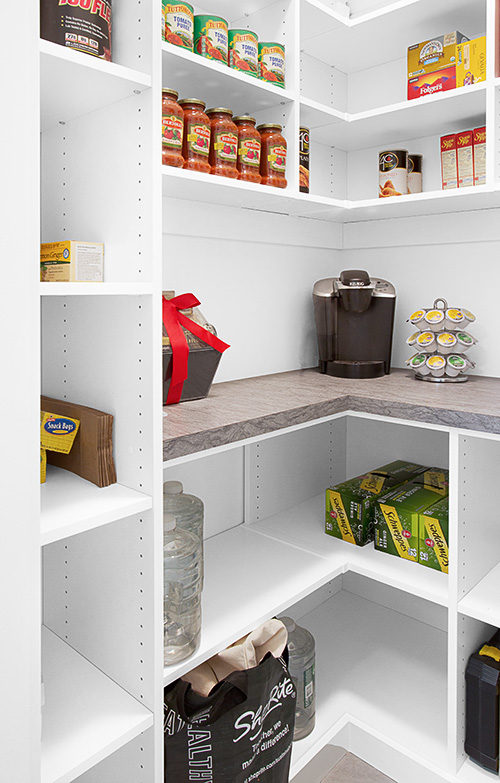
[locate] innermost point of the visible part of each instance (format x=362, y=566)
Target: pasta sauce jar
x=224, y=143
x=249, y=147
x=172, y=129
x=273, y=156
x=196, y=143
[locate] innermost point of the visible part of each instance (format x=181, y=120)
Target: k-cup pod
x=417, y=317
x=436, y=365
x=413, y=338
x=446, y=342
x=418, y=363
x=426, y=341
x=469, y=317
x=454, y=318
x=465, y=341
x=455, y=364
x=434, y=320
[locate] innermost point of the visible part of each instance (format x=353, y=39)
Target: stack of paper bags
x=91, y=455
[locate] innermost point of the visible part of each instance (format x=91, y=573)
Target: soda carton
x=433, y=536
x=397, y=519
x=435, y=479
x=350, y=505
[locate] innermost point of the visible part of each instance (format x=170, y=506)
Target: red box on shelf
x=432, y=83
x=449, y=167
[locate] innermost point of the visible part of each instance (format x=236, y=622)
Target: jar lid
x=244, y=118
x=168, y=91
x=269, y=126
x=196, y=102
x=220, y=110
x=172, y=487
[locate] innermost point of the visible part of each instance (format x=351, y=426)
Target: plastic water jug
x=187, y=509
x=301, y=666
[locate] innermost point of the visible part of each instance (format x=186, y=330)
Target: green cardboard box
x=397, y=516
x=436, y=479
x=433, y=536
x=350, y=505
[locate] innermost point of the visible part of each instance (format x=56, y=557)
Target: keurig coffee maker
x=354, y=322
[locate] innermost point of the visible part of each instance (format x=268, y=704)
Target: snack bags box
x=350, y=505
x=397, y=519
x=433, y=537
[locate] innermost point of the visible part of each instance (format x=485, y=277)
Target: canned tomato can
x=178, y=24
x=272, y=63
x=210, y=37
x=414, y=173
x=244, y=51
x=393, y=173
x=304, y=160
x=84, y=25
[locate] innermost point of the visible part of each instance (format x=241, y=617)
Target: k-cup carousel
x=441, y=340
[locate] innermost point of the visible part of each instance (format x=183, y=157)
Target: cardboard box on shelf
x=479, y=150
x=449, y=167
x=71, y=262
x=465, y=159
x=471, y=62
x=433, y=536
x=430, y=83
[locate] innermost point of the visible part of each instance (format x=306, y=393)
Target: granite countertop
x=241, y=409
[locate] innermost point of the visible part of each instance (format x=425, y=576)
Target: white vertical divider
x=453, y=576
x=492, y=97
x=20, y=471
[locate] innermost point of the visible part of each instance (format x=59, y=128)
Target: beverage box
x=471, y=61
x=449, y=165
x=350, y=505
x=434, y=55
x=479, y=147
x=435, y=479
x=433, y=536
x=71, y=262
x=397, y=519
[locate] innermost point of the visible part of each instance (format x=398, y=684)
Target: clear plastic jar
x=172, y=129
x=223, y=144
x=249, y=149
x=187, y=509
x=196, y=144
x=273, y=156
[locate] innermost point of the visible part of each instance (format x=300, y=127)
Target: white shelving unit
x=82, y=566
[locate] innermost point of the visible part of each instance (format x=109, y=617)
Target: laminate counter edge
x=236, y=410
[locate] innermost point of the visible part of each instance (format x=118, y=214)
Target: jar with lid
x=224, y=143
x=249, y=147
x=196, y=144
x=172, y=129
x=273, y=156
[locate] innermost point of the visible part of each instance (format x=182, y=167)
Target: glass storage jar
x=249, y=148
x=223, y=144
x=172, y=129
x=196, y=144
x=273, y=155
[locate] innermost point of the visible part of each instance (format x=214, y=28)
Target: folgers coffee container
x=304, y=160
x=414, y=173
x=393, y=173
x=211, y=37
x=244, y=51
x=84, y=25
x=178, y=27
x=272, y=63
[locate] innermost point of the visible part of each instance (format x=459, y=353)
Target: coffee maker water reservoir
x=354, y=323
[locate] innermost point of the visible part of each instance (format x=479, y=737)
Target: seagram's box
x=70, y=261
x=397, y=516
x=350, y=505
x=433, y=536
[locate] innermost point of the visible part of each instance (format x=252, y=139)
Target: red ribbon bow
x=173, y=321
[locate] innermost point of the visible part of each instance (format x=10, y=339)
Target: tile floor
x=350, y=769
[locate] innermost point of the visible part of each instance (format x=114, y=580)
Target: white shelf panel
x=483, y=601
x=304, y=526
x=86, y=716
x=95, y=289
x=433, y=115
x=73, y=84
x=428, y=203
x=71, y=505
x=371, y=39
x=194, y=76
x=389, y=671
x=265, y=577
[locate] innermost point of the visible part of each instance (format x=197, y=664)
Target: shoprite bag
x=237, y=726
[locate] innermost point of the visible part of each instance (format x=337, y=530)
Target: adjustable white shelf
x=482, y=602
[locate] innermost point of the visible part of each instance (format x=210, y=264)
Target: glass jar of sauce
x=196, y=144
x=172, y=129
x=273, y=156
x=249, y=147
x=224, y=143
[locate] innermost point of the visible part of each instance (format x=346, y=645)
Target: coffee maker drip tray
x=351, y=369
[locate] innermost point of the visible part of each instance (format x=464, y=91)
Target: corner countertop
x=250, y=407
